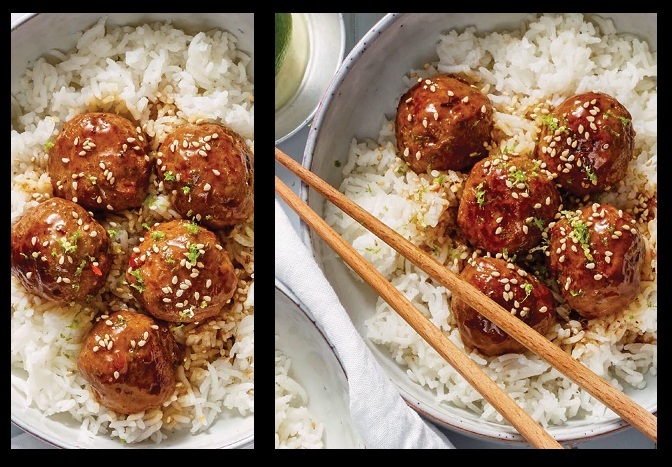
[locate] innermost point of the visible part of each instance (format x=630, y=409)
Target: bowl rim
x=574, y=434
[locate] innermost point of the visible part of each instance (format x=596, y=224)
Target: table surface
x=356, y=26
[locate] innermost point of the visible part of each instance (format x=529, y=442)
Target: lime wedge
x=283, y=36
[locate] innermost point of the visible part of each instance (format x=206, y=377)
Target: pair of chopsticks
x=536, y=435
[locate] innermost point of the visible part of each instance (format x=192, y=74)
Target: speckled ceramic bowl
x=316, y=368
x=363, y=91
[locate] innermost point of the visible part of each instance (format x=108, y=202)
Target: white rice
x=295, y=426
x=527, y=70
x=162, y=77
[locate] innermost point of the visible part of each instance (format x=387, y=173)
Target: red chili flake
x=96, y=270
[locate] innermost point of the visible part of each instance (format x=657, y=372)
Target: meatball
x=60, y=252
x=512, y=288
x=209, y=171
x=181, y=273
x=587, y=143
x=98, y=160
x=596, y=255
x=507, y=202
x=130, y=360
x=443, y=123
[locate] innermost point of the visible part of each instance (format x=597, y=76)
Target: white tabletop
x=357, y=24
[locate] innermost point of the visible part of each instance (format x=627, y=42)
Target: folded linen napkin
x=381, y=416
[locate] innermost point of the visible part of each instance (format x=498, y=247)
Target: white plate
x=367, y=81
x=326, y=38
x=316, y=368
x=32, y=35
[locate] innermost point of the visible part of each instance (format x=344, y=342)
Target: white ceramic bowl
x=33, y=35
x=366, y=88
x=325, y=39
x=316, y=368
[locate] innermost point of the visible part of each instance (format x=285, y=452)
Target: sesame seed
x=207, y=187
x=465, y=99
x=597, y=277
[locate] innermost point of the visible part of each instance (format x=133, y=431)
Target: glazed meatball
x=208, y=169
x=596, y=255
x=98, y=160
x=60, y=252
x=130, y=359
x=181, y=273
x=587, y=143
x=442, y=123
x=512, y=288
x=507, y=202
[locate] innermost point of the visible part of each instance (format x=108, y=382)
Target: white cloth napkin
x=380, y=415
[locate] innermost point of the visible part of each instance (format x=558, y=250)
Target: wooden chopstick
x=526, y=426
x=611, y=397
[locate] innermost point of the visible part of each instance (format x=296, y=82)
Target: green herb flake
x=69, y=245
x=187, y=314
x=480, y=194
x=80, y=268
x=193, y=254
x=186, y=189
x=528, y=290
x=93, y=180
x=157, y=235
x=549, y=120
x=337, y=163
x=609, y=113
x=145, y=226
x=591, y=175
x=192, y=228
x=112, y=232
x=538, y=223
x=48, y=145
x=169, y=176
x=140, y=286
